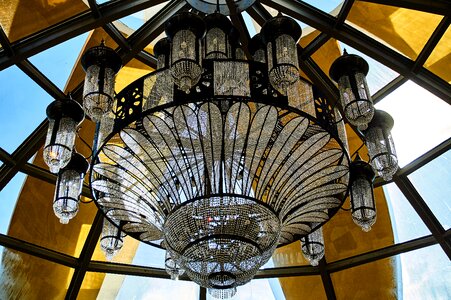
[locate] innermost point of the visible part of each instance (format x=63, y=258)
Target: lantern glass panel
x=215, y=44
x=286, y=72
x=382, y=151
x=58, y=151
x=98, y=91
x=259, y=56
x=185, y=68
x=359, y=112
x=111, y=240
x=67, y=195
x=363, y=206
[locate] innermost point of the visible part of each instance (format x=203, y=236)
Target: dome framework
x=16, y=52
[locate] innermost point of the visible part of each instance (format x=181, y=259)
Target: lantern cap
x=359, y=168
x=185, y=21
x=162, y=47
x=381, y=119
x=77, y=163
x=101, y=56
x=348, y=64
x=256, y=43
x=217, y=20
x=278, y=26
x=65, y=108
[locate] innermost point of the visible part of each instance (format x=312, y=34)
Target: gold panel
x=28, y=277
x=305, y=287
x=405, y=30
x=375, y=280
x=440, y=60
x=20, y=18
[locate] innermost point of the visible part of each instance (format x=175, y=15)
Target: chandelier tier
x=222, y=170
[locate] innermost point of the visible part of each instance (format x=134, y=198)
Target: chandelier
x=217, y=157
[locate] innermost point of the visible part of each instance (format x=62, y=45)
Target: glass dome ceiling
x=408, y=46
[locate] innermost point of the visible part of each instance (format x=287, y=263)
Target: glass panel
x=432, y=182
x=301, y=287
x=330, y=6
x=406, y=223
x=112, y=286
x=137, y=253
x=378, y=76
x=428, y=277
x=405, y=30
x=57, y=62
x=21, y=277
x=34, y=221
x=419, y=116
x=376, y=280
x=22, y=104
x=22, y=18
x=8, y=199
x=440, y=59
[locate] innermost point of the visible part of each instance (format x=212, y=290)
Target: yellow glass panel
x=405, y=30
x=24, y=276
x=303, y=287
x=439, y=61
x=374, y=280
x=20, y=18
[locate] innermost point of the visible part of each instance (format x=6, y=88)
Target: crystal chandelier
x=219, y=158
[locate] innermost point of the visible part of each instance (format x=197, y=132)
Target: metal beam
x=439, y=7
x=360, y=41
x=314, y=45
x=117, y=36
x=344, y=12
x=327, y=281
x=125, y=269
x=4, y=41
x=423, y=210
x=72, y=27
x=431, y=43
x=381, y=253
x=240, y=25
x=38, y=251
x=287, y=272
x=85, y=257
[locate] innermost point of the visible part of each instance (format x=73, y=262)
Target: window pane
x=432, y=182
x=57, y=62
x=422, y=120
x=22, y=107
x=23, y=276
x=406, y=223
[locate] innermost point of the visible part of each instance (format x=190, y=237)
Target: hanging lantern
x=101, y=65
x=172, y=267
x=111, y=240
x=381, y=147
x=162, y=52
x=313, y=246
x=280, y=35
x=68, y=188
x=185, y=31
x=363, y=206
x=64, y=116
x=217, y=44
x=257, y=48
x=349, y=71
